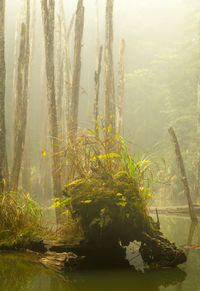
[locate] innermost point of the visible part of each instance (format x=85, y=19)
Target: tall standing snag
x=109, y=85
x=48, y=10
x=181, y=169
x=120, y=95
x=74, y=102
x=3, y=153
x=198, y=133
x=97, y=76
x=21, y=101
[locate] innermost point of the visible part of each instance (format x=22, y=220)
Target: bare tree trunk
x=48, y=11
x=97, y=87
x=67, y=90
x=74, y=102
x=26, y=170
x=198, y=134
x=109, y=85
x=3, y=153
x=59, y=75
x=97, y=32
x=181, y=169
x=45, y=146
x=21, y=101
x=119, y=113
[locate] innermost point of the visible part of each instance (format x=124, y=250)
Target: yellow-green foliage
x=20, y=219
x=110, y=207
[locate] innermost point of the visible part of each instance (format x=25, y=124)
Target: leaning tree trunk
x=48, y=10
x=3, y=152
x=181, y=169
x=120, y=95
x=74, y=102
x=21, y=102
x=109, y=87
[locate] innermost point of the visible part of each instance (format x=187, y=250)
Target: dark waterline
x=18, y=273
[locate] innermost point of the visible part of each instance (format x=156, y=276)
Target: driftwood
x=182, y=209
x=66, y=261
x=181, y=169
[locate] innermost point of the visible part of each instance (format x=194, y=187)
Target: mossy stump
x=110, y=210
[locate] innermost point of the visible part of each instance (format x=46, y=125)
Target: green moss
x=115, y=209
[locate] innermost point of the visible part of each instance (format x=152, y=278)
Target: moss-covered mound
x=110, y=208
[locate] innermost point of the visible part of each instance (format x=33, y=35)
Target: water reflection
x=17, y=273
x=193, y=227
x=183, y=232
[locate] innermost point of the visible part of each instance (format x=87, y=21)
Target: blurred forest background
x=161, y=84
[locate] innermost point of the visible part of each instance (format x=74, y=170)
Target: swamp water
x=17, y=273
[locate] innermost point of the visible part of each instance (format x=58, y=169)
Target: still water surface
x=17, y=273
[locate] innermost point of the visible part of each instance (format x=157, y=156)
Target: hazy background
x=161, y=65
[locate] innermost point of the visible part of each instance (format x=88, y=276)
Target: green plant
x=20, y=218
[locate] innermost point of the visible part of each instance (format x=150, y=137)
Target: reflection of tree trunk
x=21, y=102
x=74, y=102
x=97, y=87
x=192, y=229
x=181, y=169
x=109, y=86
x=3, y=153
x=120, y=92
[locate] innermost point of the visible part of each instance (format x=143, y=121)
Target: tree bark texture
x=3, y=152
x=26, y=168
x=97, y=76
x=20, y=121
x=198, y=133
x=181, y=169
x=120, y=95
x=74, y=102
x=48, y=17
x=67, y=90
x=109, y=86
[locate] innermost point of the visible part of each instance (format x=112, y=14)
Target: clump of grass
x=20, y=219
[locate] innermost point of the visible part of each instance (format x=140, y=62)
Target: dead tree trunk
x=45, y=146
x=120, y=99
x=59, y=75
x=74, y=102
x=97, y=76
x=198, y=134
x=21, y=102
x=181, y=169
x=109, y=85
x=48, y=11
x=3, y=152
x=26, y=170
x=67, y=90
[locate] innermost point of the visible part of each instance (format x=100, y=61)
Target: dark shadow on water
x=17, y=273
